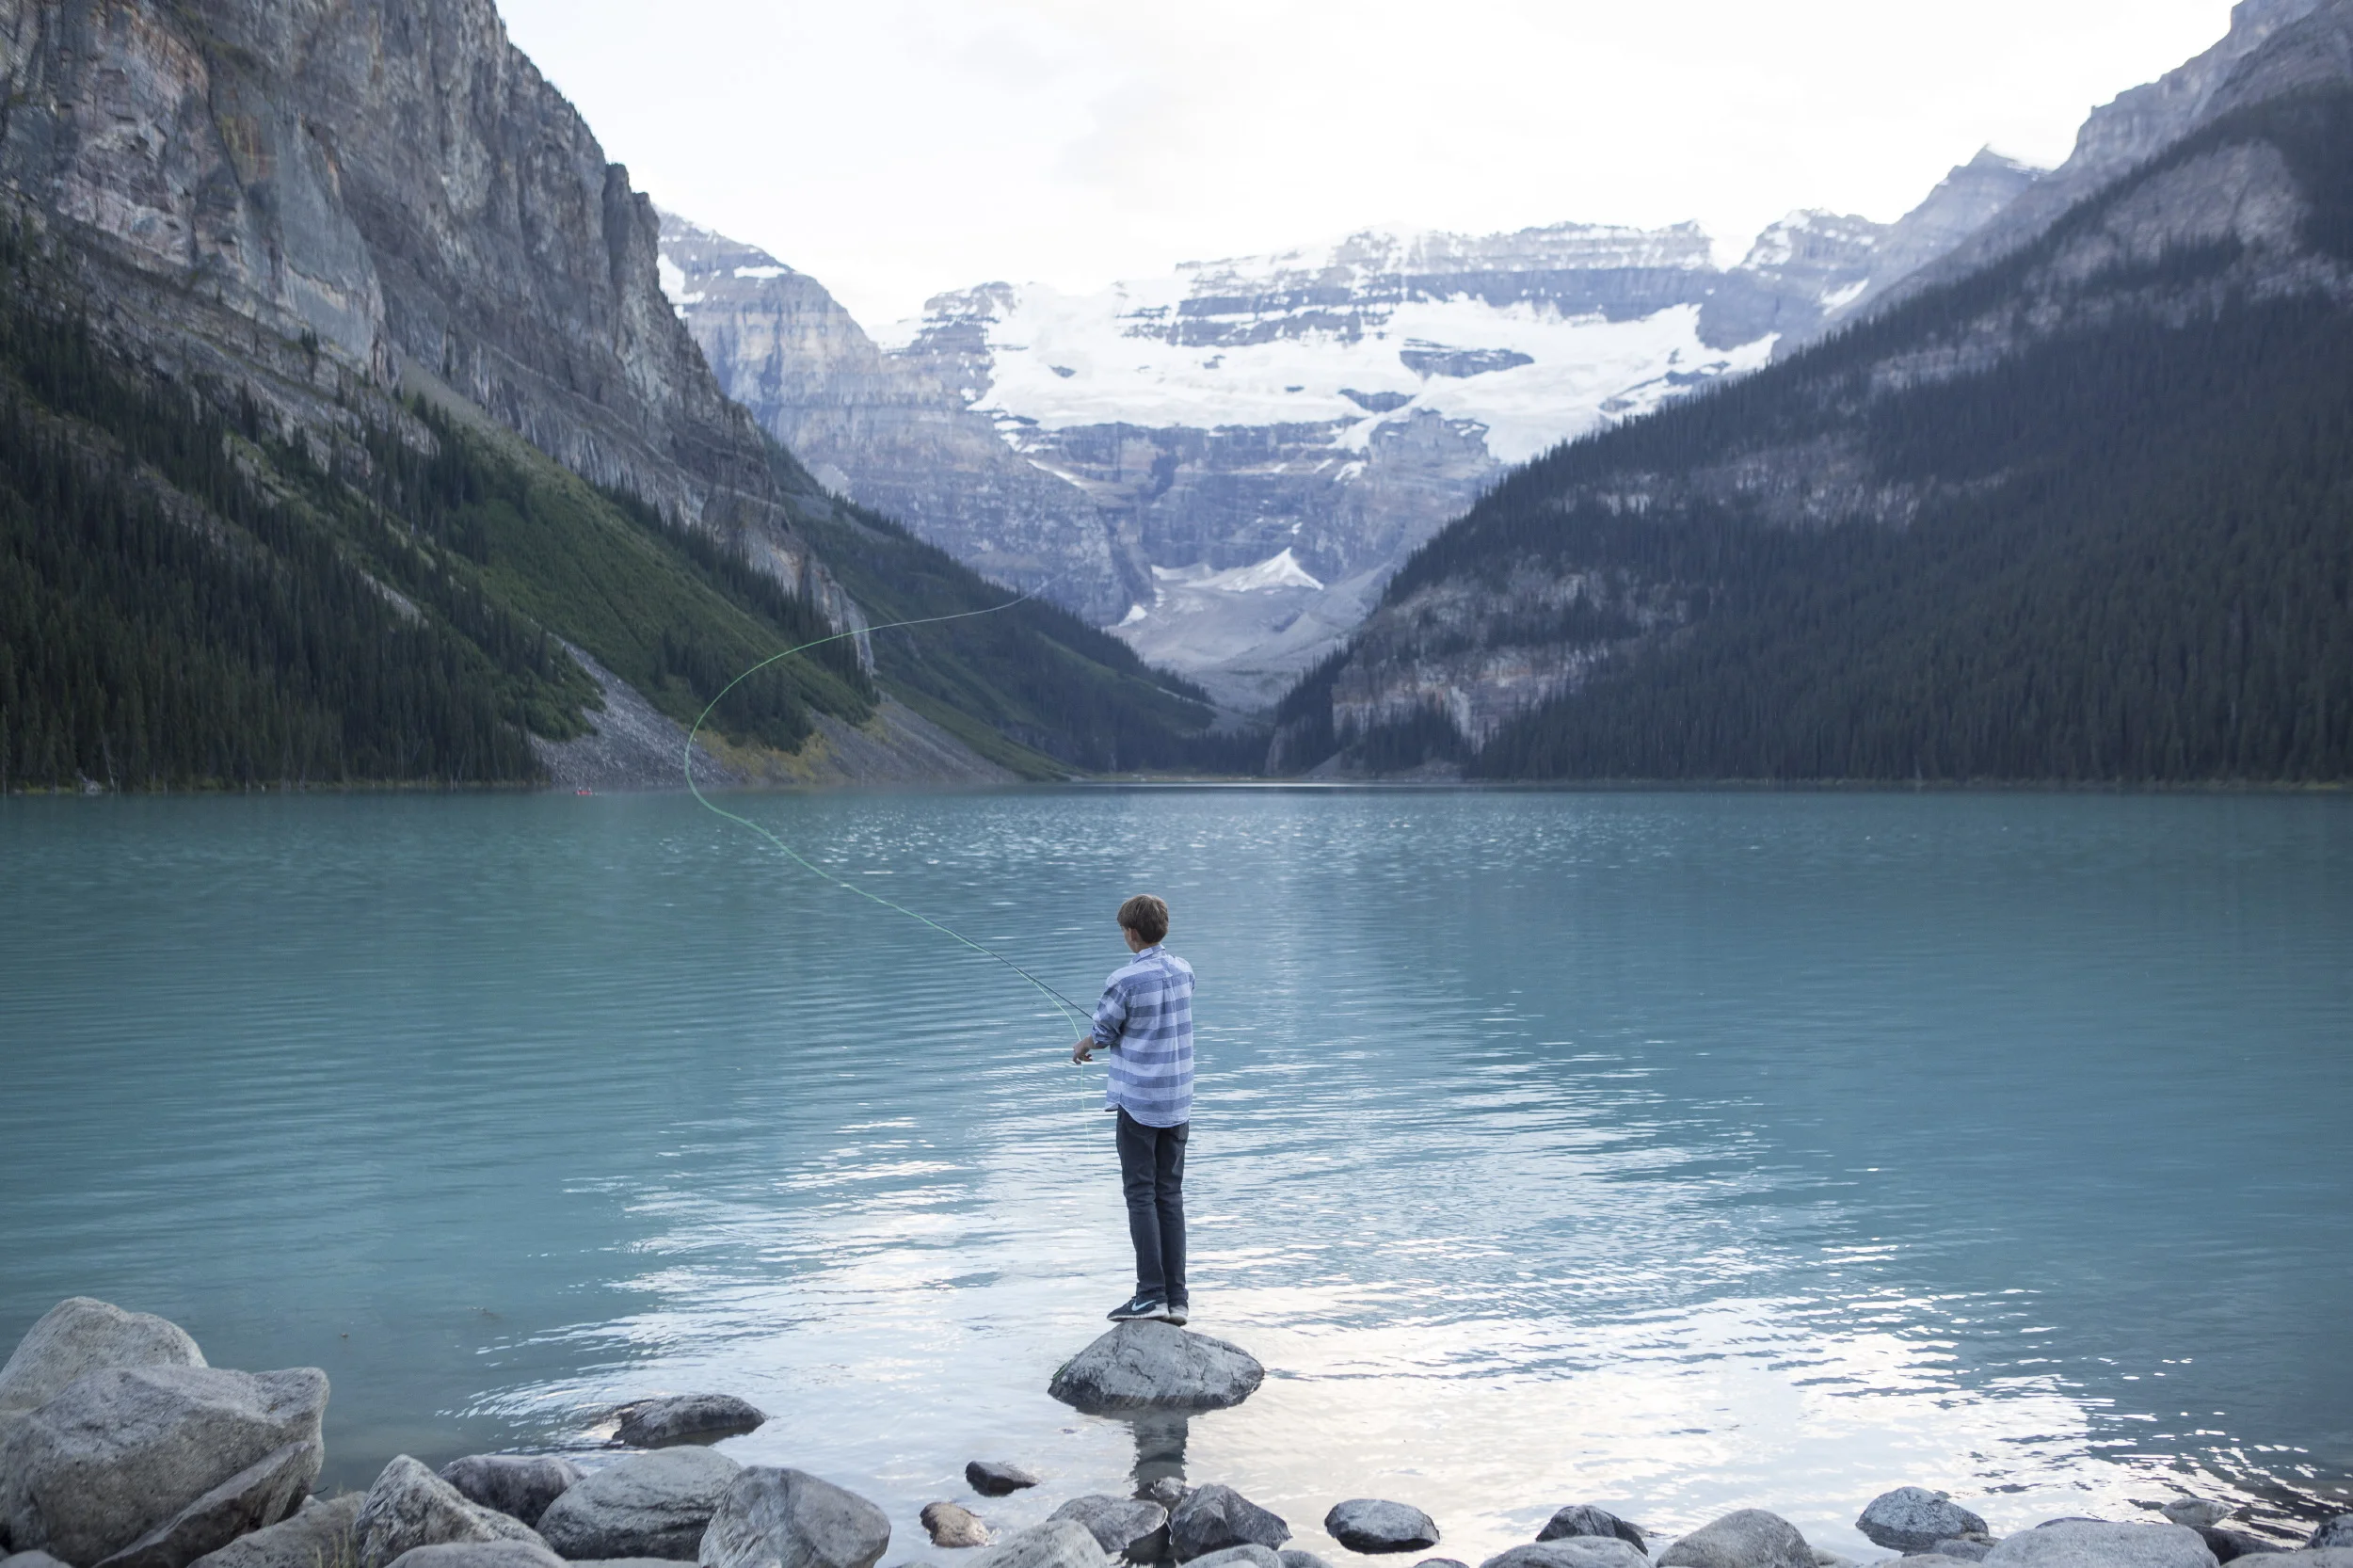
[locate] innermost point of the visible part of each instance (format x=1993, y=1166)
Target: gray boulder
x=2312, y=1557
x=317, y=1533
x=1167, y=1491
x=31, y=1559
x=1968, y=1548
x=647, y=1505
x=2229, y=1545
x=777, y=1518
x=953, y=1525
x=1572, y=1551
x=2194, y=1511
x=1376, y=1525
x=80, y=1335
x=409, y=1506
x=1238, y=1556
x=1133, y=1528
x=1293, y=1557
x=1156, y=1366
x=685, y=1418
x=519, y=1486
x=1750, y=1538
x=159, y=1464
x=1213, y=1518
x=1585, y=1519
x=1914, y=1519
x=1934, y=1559
x=1056, y=1544
x=994, y=1478
x=2336, y=1532
x=2090, y=1544
x=479, y=1554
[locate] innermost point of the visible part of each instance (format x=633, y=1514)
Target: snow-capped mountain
x=1234, y=457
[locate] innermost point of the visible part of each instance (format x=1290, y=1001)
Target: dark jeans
x=1152, y=1174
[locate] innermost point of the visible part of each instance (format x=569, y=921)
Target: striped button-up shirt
x=1145, y=1021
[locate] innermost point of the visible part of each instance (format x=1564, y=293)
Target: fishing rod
x=1083, y=1017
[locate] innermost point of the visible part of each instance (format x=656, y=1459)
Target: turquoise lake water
x=1673, y=1152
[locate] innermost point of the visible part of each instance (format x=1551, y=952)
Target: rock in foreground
x=80, y=1335
x=1156, y=1366
x=1133, y=1528
x=1375, y=1525
x=994, y=1478
x=953, y=1524
x=685, y=1418
x=1572, y=1551
x=411, y=1506
x=778, y=1518
x=1246, y=1555
x=1585, y=1519
x=1750, y=1538
x=1914, y=1519
x=1213, y=1518
x=519, y=1486
x=478, y=1553
x=1056, y=1544
x=2090, y=1544
x=154, y=1466
x=648, y=1505
x=318, y=1532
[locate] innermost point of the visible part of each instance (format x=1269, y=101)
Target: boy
x=1145, y=1021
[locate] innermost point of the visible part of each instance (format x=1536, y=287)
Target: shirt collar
x=1146, y=952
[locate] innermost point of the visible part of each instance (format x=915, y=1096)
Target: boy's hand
x=1080, y=1052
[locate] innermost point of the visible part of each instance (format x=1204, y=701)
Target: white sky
x=897, y=147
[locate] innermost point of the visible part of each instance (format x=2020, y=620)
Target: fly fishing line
x=1070, y=1009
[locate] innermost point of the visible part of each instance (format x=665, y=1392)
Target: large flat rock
x=2090, y=1544
x=1156, y=1366
x=648, y=1505
x=169, y=1462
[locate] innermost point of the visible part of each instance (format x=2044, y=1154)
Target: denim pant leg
x=1151, y=1176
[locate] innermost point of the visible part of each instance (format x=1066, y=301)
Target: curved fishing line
x=1069, y=1008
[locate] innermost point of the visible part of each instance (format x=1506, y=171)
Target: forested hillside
x=190, y=599
x=2087, y=515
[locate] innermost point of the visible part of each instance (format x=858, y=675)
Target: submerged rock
x=411, y=1506
x=1749, y=1538
x=1056, y=1544
x=1572, y=1551
x=1156, y=1366
x=685, y=1418
x=1213, y=1518
x=1376, y=1525
x=159, y=1465
x=647, y=1505
x=1585, y=1519
x=2094, y=1544
x=80, y=1335
x=1914, y=1519
x=320, y=1532
x=1133, y=1528
x=995, y=1477
x=953, y=1524
x=780, y=1518
x=519, y=1486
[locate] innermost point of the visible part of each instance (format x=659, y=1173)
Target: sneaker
x=1137, y=1309
x=1174, y=1313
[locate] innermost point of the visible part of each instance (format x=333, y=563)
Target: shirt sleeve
x=1110, y=1017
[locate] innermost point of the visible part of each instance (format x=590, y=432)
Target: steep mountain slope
x=2086, y=514
x=369, y=257
x=884, y=433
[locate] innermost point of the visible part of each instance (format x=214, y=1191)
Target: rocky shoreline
x=120, y=1448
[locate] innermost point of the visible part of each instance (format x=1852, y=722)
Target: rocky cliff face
x=321, y=202
x=885, y=432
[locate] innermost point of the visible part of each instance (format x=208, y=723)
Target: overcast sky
x=897, y=147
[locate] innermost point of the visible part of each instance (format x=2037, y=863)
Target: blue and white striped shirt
x=1145, y=1021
